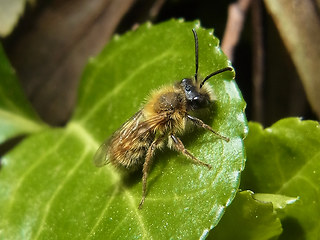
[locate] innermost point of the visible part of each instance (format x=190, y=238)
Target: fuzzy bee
x=162, y=118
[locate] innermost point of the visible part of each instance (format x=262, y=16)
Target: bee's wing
x=129, y=126
x=101, y=157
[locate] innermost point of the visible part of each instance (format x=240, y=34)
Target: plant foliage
x=49, y=187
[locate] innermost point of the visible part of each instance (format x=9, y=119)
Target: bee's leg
x=200, y=123
x=178, y=145
x=146, y=167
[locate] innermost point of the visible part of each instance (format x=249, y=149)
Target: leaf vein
x=118, y=226
x=299, y=173
x=120, y=85
x=102, y=64
x=134, y=206
x=103, y=212
x=58, y=189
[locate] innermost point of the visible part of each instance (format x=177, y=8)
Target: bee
x=163, y=117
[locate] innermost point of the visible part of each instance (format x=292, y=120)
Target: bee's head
x=196, y=97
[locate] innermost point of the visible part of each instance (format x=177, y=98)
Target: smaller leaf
x=16, y=114
x=248, y=218
x=278, y=201
x=285, y=159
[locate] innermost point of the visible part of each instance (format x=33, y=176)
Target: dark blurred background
x=54, y=39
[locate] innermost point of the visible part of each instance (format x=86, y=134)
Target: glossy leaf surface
x=59, y=193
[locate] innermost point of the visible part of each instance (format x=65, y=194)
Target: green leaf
x=58, y=192
x=248, y=218
x=278, y=201
x=16, y=115
x=285, y=159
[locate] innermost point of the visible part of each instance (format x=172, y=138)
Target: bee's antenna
x=196, y=53
x=215, y=73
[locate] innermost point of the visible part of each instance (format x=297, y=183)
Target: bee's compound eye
x=186, y=83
